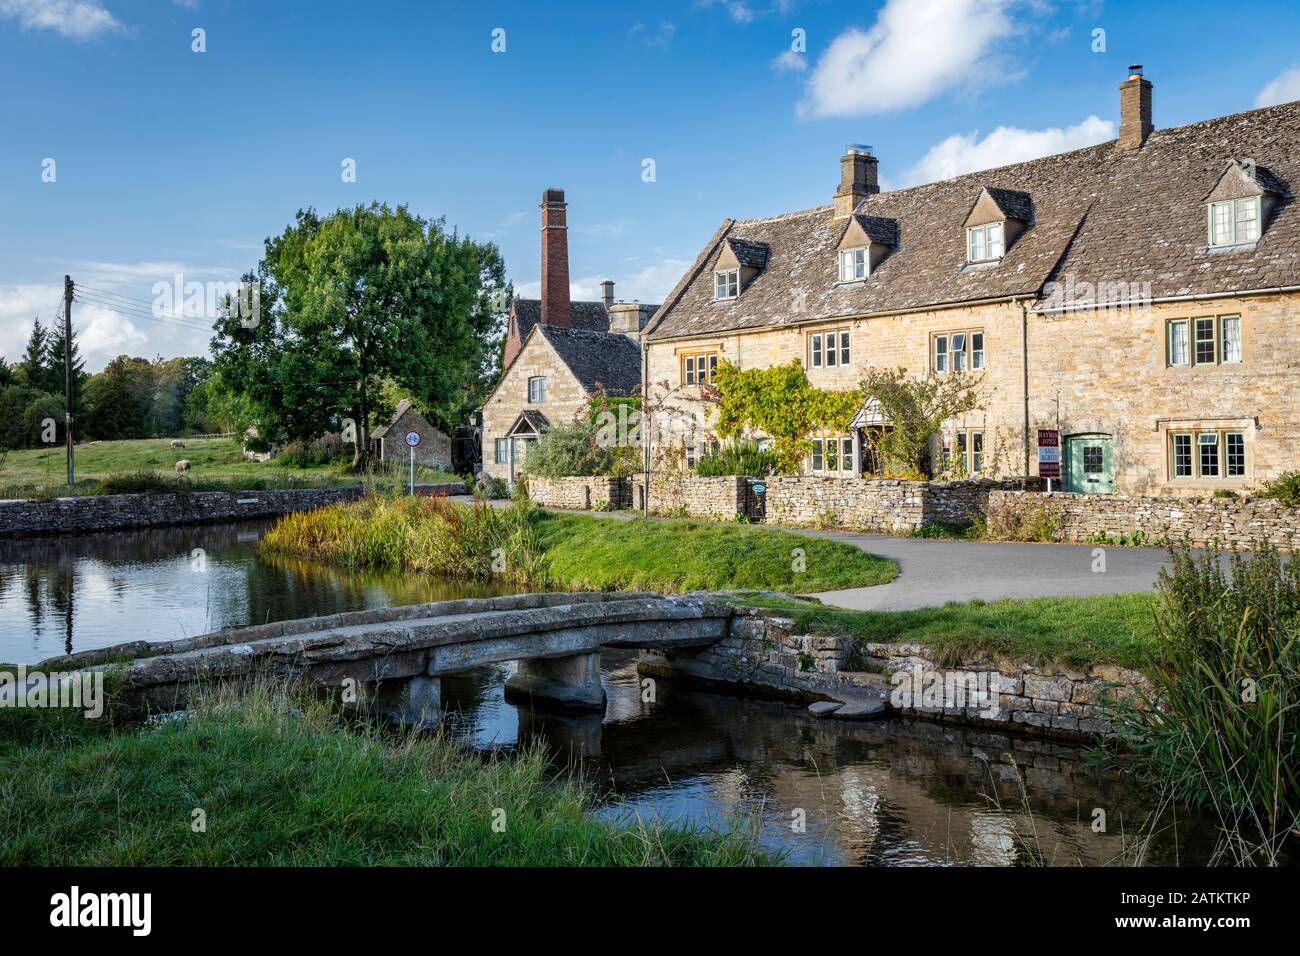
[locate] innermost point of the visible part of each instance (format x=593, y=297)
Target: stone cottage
x=1141, y=296
x=558, y=353
x=388, y=442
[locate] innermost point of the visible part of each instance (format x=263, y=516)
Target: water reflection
x=63, y=594
x=890, y=792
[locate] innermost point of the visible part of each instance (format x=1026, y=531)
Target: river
x=886, y=792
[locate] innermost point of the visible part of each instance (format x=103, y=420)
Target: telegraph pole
x=67, y=370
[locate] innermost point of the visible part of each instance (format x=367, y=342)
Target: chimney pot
x=556, y=308
x=1135, y=123
x=858, y=179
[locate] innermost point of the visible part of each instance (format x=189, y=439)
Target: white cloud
x=1284, y=89
x=662, y=38
x=104, y=334
x=78, y=19
x=916, y=50
x=738, y=10
x=966, y=153
x=790, y=62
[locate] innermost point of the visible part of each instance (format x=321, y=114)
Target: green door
x=1089, y=464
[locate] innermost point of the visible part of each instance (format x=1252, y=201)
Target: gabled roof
x=1101, y=214
x=747, y=253
x=591, y=316
x=878, y=228
x=402, y=408
x=529, y=422
x=1014, y=203
x=1241, y=179
x=606, y=360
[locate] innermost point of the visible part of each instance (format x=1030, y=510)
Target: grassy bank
x=1077, y=631
x=538, y=549
x=148, y=466
x=280, y=783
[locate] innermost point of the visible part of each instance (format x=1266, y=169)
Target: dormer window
x=726, y=284
x=1234, y=221
x=984, y=243
x=854, y=264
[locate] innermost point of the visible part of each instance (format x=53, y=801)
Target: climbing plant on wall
x=780, y=402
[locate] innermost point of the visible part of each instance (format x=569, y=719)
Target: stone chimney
x=1134, y=109
x=857, y=179
x=556, y=309
x=607, y=292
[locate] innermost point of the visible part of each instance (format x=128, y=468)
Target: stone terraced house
x=1142, y=296
x=558, y=353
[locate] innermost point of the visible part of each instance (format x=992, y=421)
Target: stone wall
x=721, y=498
x=765, y=652
x=1229, y=522
x=110, y=512
x=582, y=494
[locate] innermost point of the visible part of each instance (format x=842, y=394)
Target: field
x=216, y=463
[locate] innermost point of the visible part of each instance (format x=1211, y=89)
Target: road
x=934, y=571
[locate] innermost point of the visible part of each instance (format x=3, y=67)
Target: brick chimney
x=555, y=260
x=857, y=179
x=1134, y=109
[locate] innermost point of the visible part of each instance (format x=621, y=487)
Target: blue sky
x=170, y=161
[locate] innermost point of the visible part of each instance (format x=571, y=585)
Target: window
x=1231, y=326
x=853, y=264
x=960, y=452
x=1093, y=460
x=1234, y=221
x=536, y=390
x=1205, y=340
x=1208, y=443
x=832, y=456
x=958, y=351
x=1235, y=449
x=828, y=349
x=1182, y=456
x=1177, y=335
x=1206, y=347
x=1208, y=454
x=699, y=368
x=690, y=455
x=503, y=451
x=726, y=285
x=984, y=243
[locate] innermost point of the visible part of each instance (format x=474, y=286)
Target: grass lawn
x=281, y=783
x=684, y=555
x=216, y=464
x=1077, y=631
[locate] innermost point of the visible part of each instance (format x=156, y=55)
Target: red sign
x=1049, y=453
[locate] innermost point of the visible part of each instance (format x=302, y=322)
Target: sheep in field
x=177, y=443
x=182, y=465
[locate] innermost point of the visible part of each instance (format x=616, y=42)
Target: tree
x=119, y=400
x=915, y=410
x=57, y=384
x=353, y=299
x=34, y=369
x=7, y=377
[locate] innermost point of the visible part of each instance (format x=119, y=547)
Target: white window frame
x=538, y=396
x=1183, y=336
x=1242, y=222
x=855, y=264
x=1182, y=340
x=501, y=451
x=1230, y=463
x=698, y=368
x=947, y=356
x=726, y=284
x=830, y=348
x=831, y=455
x=1226, y=356
x=981, y=241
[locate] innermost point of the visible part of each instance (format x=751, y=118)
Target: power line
x=139, y=312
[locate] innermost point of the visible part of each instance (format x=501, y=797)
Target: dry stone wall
x=582, y=494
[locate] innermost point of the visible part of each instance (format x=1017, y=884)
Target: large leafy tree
x=353, y=300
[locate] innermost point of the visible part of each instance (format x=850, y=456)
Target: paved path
x=935, y=571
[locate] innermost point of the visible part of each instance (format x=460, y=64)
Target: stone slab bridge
x=394, y=657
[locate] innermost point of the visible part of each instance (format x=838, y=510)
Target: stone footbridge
x=397, y=655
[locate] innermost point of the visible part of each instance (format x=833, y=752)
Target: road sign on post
x=1049, y=455
x=412, y=440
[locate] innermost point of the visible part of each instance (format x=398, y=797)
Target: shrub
x=488, y=487
x=1010, y=525
x=574, y=449
x=1219, y=728
x=738, y=458
x=1285, y=488
x=326, y=449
